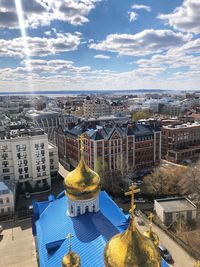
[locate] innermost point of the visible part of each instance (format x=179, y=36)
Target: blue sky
x=99, y=44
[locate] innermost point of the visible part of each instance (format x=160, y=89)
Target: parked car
x=140, y=200
x=165, y=254
x=27, y=195
x=138, y=182
x=1, y=229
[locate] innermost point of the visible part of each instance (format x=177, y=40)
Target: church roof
x=91, y=231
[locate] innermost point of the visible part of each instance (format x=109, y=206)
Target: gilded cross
x=133, y=190
x=82, y=138
x=197, y=264
x=69, y=237
x=150, y=217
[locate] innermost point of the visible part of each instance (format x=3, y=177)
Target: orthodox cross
x=197, y=264
x=133, y=190
x=150, y=217
x=69, y=237
x=81, y=139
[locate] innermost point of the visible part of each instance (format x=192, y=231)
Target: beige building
x=7, y=198
x=171, y=210
x=95, y=108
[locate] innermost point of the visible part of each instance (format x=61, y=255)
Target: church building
x=83, y=226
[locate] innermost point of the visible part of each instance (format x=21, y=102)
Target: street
x=180, y=257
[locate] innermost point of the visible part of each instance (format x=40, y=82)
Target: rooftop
x=176, y=204
x=90, y=231
x=182, y=126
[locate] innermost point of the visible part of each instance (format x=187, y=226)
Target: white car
x=27, y=195
x=1, y=229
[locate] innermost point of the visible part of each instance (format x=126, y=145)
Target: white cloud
x=185, y=17
x=56, y=74
x=169, y=61
x=132, y=16
x=143, y=43
x=41, y=12
x=53, y=66
x=101, y=56
x=38, y=46
x=138, y=7
x=192, y=46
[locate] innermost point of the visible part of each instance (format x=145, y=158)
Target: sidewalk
x=17, y=247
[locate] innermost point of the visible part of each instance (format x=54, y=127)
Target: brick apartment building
x=181, y=142
x=134, y=146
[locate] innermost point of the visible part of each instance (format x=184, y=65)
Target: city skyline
x=99, y=44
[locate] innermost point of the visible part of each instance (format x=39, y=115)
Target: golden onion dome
x=71, y=260
x=131, y=248
x=82, y=183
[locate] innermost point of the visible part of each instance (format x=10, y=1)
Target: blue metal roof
x=91, y=231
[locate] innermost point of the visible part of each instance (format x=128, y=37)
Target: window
x=6, y=170
x=20, y=170
x=1, y=201
x=18, y=148
x=26, y=176
x=38, y=168
x=36, y=146
x=21, y=177
x=2, y=210
x=9, y=210
x=4, y=155
x=6, y=177
x=42, y=145
x=5, y=163
x=26, y=169
x=43, y=167
x=7, y=200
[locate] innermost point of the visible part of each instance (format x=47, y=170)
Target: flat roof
x=181, y=126
x=176, y=204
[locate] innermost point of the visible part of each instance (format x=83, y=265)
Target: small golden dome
x=149, y=233
x=153, y=236
x=131, y=248
x=71, y=260
x=82, y=183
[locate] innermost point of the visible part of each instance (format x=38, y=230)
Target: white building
x=171, y=210
x=7, y=198
x=53, y=160
x=24, y=158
